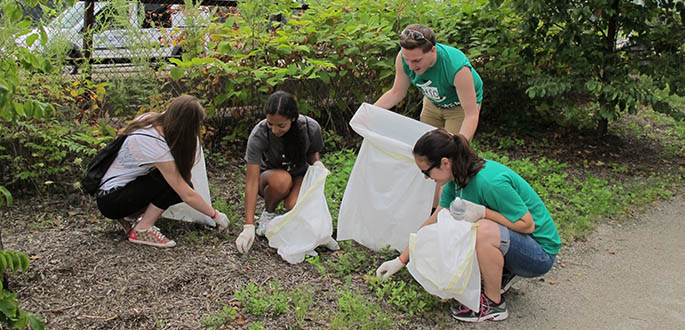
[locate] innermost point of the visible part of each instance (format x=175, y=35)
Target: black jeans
x=137, y=195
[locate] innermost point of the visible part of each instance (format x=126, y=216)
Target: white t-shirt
x=135, y=158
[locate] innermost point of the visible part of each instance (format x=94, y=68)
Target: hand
x=245, y=239
x=221, y=222
x=473, y=212
x=389, y=268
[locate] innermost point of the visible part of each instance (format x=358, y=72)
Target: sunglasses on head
x=416, y=35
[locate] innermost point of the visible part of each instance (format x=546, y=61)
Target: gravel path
x=624, y=276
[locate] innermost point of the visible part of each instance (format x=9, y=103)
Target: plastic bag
x=308, y=225
x=183, y=211
x=386, y=197
x=442, y=258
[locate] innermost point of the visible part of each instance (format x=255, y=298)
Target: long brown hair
x=439, y=143
x=181, y=124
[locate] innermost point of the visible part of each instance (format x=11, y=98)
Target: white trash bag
x=183, y=211
x=442, y=258
x=386, y=197
x=308, y=225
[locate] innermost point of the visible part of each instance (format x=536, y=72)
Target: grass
x=577, y=202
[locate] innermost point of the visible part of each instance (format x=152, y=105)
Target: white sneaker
x=264, y=220
x=332, y=245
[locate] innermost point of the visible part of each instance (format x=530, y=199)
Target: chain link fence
x=121, y=36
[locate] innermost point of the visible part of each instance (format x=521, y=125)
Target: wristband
x=400, y=259
x=216, y=215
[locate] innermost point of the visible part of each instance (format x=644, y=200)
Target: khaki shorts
x=447, y=118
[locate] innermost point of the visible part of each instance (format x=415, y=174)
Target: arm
x=463, y=82
x=525, y=225
x=313, y=158
x=399, y=87
x=181, y=187
x=251, y=190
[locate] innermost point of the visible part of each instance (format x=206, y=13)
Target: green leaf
x=36, y=322
x=7, y=200
x=24, y=262
x=19, y=109
x=8, y=307
x=176, y=73
x=31, y=39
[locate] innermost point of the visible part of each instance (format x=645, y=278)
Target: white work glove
x=221, y=222
x=245, y=239
x=389, y=268
x=472, y=211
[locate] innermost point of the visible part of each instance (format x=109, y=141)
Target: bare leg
x=152, y=213
x=275, y=186
x=490, y=258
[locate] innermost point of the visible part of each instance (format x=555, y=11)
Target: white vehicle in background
x=123, y=31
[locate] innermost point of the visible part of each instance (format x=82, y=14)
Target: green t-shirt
x=437, y=83
x=500, y=189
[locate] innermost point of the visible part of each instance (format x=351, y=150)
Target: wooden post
x=87, y=32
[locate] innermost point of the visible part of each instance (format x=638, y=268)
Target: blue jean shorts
x=524, y=256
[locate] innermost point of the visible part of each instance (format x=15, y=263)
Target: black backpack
x=98, y=166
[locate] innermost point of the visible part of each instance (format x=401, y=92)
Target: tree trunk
x=603, y=127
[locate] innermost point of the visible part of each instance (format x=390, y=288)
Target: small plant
x=406, y=295
x=257, y=326
x=259, y=301
x=350, y=260
x=316, y=262
x=10, y=312
x=217, y=321
x=302, y=301
x=356, y=312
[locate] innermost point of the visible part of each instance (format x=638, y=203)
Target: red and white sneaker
x=151, y=236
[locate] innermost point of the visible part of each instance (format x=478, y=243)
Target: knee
x=280, y=184
x=487, y=233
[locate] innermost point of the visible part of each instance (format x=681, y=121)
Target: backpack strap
x=127, y=135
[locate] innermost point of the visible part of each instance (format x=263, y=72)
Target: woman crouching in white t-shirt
x=152, y=172
x=278, y=151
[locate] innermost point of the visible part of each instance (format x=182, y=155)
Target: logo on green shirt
x=431, y=92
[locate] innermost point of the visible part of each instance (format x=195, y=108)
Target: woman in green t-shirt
x=516, y=234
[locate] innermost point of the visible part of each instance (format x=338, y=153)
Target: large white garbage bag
x=308, y=225
x=183, y=211
x=442, y=258
x=386, y=197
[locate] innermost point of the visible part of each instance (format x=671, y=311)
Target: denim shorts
x=524, y=256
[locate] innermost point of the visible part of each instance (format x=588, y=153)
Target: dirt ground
x=85, y=275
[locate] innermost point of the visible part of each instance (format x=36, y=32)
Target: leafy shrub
x=10, y=312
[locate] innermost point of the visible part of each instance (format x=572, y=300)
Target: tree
x=590, y=61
